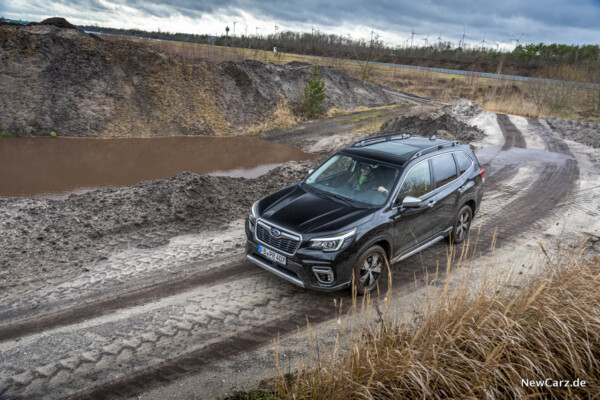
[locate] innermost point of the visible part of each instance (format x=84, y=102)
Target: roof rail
x=382, y=138
x=434, y=148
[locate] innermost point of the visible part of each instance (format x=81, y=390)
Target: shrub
x=314, y=95
x=53, y=134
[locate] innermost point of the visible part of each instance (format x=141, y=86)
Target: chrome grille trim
x=288, y=243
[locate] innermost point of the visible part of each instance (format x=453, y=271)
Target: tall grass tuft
x=483, y=341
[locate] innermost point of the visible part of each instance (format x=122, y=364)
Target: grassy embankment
x=491, y=333
x=568, y=100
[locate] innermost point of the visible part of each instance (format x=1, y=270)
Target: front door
x=413, y=225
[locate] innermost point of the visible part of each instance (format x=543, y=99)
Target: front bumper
x=299, y=267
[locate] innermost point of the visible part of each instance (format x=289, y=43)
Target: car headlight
x=332, y=243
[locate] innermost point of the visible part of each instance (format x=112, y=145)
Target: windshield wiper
x=325, y=194
x=342, y=198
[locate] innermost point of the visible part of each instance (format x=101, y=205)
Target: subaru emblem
x=275, y=233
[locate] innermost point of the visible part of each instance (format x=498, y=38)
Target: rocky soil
x=586, y=133
x=446, y=123
x=55, y=78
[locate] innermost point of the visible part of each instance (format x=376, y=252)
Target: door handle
x=431, y=203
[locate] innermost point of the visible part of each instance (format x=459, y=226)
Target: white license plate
x=271, y=255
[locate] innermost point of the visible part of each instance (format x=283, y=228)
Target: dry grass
x=472, y=341
x=282, y=117
x=336, y=112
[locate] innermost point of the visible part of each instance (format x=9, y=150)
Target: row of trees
x=524, y=59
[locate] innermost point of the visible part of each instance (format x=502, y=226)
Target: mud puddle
x=52, y=167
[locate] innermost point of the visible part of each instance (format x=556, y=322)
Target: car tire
x=462, y=224
x=371, y=264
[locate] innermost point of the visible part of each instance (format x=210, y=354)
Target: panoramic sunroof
x=394, y=147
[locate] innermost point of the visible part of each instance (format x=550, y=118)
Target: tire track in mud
x=117, y=347
x=553, y=184
x=513, y=137
x=179, y=367
x=133, y=298
x=539, y=200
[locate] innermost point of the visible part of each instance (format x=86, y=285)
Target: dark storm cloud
x=538, y=20
x=501, y=20
x=578, y=13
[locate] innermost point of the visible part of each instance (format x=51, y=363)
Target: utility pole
x=234, y=22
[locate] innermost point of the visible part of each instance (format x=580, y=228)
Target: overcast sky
x=534, y=21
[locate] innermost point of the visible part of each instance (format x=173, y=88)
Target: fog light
x=324, y=275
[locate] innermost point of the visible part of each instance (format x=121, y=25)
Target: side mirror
x=411, y=202
x=310, y=171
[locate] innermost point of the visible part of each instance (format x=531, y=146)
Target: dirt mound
x=53, y=78
x=587, y=133
x=444, y=127
x=58, y=22
x=462, y=110
x=67, y=234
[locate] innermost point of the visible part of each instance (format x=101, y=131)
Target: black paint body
x=297, y=209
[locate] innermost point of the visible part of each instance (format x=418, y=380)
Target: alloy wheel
x=370, y=270
x=464, y=222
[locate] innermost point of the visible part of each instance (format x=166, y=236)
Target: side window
x=417, y=182
x=444, y=169
x=464, y=162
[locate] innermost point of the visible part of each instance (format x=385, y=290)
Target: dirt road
x=147, y=319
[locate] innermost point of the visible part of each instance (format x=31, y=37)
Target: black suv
x=382, y=199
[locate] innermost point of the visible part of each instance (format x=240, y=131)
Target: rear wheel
x=462, y=224
x=371, y=264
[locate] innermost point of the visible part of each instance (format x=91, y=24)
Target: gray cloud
x=538, y=20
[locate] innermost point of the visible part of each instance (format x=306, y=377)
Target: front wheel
x=462, y=224
x=371, y=264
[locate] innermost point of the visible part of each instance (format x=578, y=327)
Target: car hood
x=304, y=212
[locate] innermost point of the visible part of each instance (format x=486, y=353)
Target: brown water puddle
x=45, y=166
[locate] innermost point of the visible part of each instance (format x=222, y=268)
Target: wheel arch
x=471, y=203
x=384, y=241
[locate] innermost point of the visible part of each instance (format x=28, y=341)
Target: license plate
x=271, y=255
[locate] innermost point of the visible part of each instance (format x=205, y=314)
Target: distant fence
x=471, y=73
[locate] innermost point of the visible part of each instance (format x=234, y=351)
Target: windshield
x=354, y=179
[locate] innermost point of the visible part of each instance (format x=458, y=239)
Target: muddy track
x=540, y=200
x=133, y=298
x=202, y=323
x=512, y=138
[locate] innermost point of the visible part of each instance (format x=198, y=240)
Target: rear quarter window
x=464, y=162
x=444, y=169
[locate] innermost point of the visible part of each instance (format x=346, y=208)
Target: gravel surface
x=586, y=133
x=462, y=110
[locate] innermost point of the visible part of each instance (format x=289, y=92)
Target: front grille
x=283, y=243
